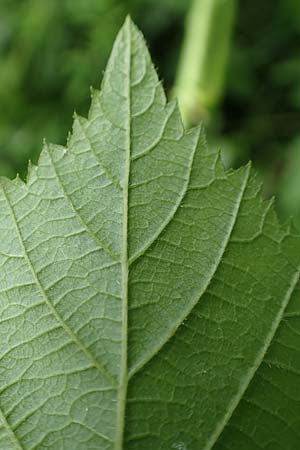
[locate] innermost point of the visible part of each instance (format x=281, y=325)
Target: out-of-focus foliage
x=262, y=98
x=289, y=185
x=259, y=117
x=51, y=50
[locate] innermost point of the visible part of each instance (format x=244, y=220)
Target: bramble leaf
x=148, y=299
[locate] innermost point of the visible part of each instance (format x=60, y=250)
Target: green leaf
x=289, y=183
x=147, y=298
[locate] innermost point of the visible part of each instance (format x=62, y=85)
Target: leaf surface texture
x=148, y=298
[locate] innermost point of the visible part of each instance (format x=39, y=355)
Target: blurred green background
x=247, y=81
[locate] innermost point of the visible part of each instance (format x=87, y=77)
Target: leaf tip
x=129, y=24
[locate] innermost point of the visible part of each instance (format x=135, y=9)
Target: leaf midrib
x=123, y=380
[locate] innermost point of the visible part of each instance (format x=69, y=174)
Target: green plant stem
x=202, y=65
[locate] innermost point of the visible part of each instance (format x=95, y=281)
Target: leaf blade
x=141, y=285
